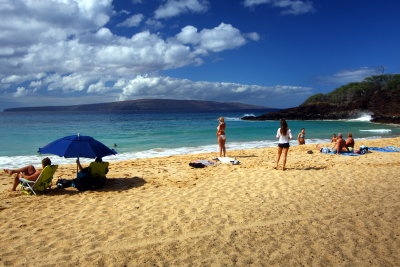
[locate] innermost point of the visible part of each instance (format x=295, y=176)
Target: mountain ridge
x=147, y=106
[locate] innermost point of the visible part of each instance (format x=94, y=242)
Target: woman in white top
x=221, y=138
x=284, y=134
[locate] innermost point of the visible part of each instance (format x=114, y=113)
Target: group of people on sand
x=340, y=145
x=284, y=135
x=89, y=177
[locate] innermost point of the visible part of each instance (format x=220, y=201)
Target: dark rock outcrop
x=376, y=95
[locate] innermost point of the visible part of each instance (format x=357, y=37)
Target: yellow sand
x=325, y=210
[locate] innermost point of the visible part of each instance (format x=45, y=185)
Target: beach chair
x=42, y=183
x=98, y=169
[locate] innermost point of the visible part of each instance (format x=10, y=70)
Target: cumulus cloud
x=168, y=87
x=176, y=7
x=66, y=46
x=293, y=7
x=118, y=56
x=21, y=91
x=132, y=21
x=347, y=76
x=220, y=38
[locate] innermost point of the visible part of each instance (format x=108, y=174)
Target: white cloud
x=132, y=21
x=65, y=45
x=220, y=38
x=176, y=7
x=346, y=76
x=172, y=88
x=21, y=91
x=293, y=7
x=106, y=54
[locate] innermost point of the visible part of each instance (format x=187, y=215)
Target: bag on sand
x=196, y=165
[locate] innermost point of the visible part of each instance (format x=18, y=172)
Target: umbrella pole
x=77, y=168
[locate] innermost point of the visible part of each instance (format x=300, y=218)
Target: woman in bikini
x=301, y=137
x=221, y=138
x=350, y=142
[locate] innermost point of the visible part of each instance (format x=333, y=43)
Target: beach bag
x=325, y=150
x=363, y=149
x=196, y=165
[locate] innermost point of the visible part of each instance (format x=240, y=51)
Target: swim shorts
x=284, y=145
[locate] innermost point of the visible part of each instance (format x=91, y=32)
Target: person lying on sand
x=27, y=172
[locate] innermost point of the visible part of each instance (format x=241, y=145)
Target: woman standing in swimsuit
x=284, y=134
x=301, y=137
x=221, y=138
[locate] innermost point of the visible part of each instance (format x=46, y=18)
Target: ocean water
x=156, y=135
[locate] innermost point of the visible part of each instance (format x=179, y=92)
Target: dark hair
x=98, y=159
x=284, y=127
x=350, y=135
x=45, y=162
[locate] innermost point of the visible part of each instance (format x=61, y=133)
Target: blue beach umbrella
x=76, y=146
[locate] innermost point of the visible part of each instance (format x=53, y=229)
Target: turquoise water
x=152, y=135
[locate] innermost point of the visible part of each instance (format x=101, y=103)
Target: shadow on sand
x=112, y=185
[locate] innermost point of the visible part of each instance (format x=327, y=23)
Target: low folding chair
x=42, y=183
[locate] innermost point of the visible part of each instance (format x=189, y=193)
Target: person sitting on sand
x=27, y=172
x=334, y=138
x=340, y=145
x=350, y=142
x=91, y=177
x=301, y=137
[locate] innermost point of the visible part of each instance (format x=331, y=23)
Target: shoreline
x=22, y=160
x=324, y=210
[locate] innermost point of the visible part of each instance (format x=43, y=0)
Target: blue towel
x=393, y=147
x=343, y=153
x=383, y=149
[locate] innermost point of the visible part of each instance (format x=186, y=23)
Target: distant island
x=149, y=106
x=376, y=95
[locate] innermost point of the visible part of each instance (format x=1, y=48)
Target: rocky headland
x=378, y=96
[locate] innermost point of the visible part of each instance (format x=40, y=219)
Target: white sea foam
x=231, y=119
x=363, y=117
x=18, y=161
x=377, y=130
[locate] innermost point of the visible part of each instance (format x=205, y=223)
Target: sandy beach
x=325, y=210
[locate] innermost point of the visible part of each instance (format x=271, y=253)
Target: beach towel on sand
x=342, y=153
x=228, y=160
x=393, y=147
x=205, y=162
x=201, y=163
x=383, y=149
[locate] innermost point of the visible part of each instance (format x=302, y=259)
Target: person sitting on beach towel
x=27, y=172
x=350, y=142
x=334, y=138
x=340, y=145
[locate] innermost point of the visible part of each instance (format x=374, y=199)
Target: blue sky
x=273, y=53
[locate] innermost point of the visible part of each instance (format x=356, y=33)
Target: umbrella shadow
x=112, y=185
x=121, y=184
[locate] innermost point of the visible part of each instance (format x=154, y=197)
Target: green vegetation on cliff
x=378, y=95
x=357, y=91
